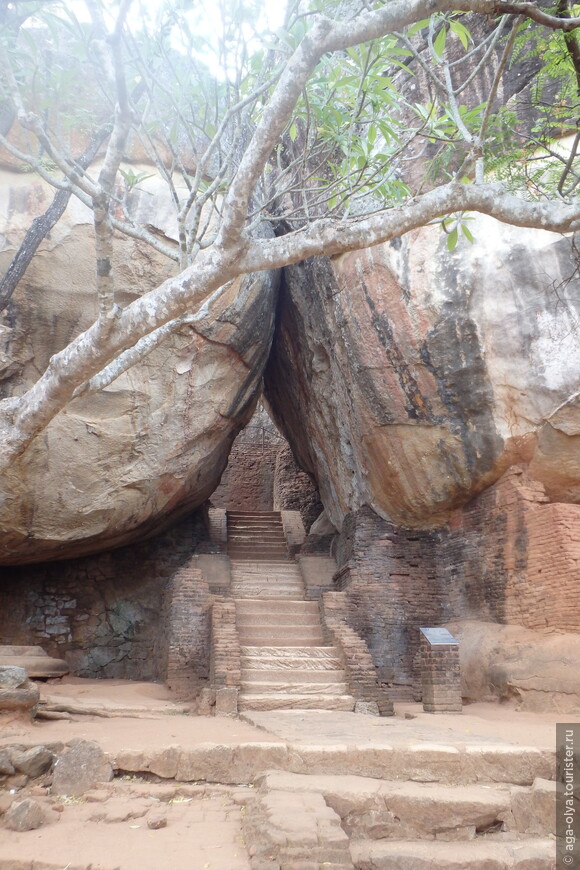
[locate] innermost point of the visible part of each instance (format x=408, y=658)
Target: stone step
x=273, y=568
x=259, y=543
x=302, y=609
x=294, y=688
x=479, y=854
x=266, y=591
x=290, y=664
x=285, y=701
x=279, y=675
x=281, y=653
x=264, y=554
x=391, y=809
x=256, y=535
x=264, y=535
x=280, y=631
x=283, y=622
x=236, y=513
x=305, y=639
x=284, y=571
x=262, y=583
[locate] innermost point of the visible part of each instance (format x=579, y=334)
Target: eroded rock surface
x=537, y=669
x=408, y=379
x=116, y=465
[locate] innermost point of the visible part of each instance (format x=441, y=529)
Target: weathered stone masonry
x=103, y=614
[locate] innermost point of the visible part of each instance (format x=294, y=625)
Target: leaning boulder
x=408, y=378
x=117, y=465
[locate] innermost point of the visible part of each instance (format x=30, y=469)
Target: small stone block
x=226, y=702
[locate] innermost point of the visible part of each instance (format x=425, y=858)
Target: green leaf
x=439, y=44
x=461, y=32
x=293, y=132
x=467, y=233
x=372, y=134
x=452, y=240
x=417, y=26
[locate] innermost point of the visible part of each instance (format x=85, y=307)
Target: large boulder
x=117, y=465
x=409, y=378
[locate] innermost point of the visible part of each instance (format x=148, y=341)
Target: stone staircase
x=285, y=662
x=256, y=536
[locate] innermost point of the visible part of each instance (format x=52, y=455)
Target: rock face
x=408, y=379
x=115, y=466
x=537, y=669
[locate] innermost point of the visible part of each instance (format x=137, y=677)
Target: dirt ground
x=109, y=828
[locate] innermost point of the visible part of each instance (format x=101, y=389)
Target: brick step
x=480, y=854
x=284, y=701
x=280, y=675
x=294, y=688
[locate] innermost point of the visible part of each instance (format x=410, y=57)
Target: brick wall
x=184, y=642
x=361, y=675
x=513, y=557
x=225, y=665
x=509, y=557
x=391, y=586
x=262, y=474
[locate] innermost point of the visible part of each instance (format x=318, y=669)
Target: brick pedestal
x=440, y=674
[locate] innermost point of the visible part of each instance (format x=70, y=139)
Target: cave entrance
x=262, y=474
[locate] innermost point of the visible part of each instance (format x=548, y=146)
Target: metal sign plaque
x=438, y=635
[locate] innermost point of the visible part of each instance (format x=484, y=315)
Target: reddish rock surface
x=408, y=379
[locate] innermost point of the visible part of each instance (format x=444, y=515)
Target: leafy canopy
x=375, y=125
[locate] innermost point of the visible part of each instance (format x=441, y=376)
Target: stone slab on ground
x=295, y=830
x=373, y=809
x=475, y=855
x=36, y=662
